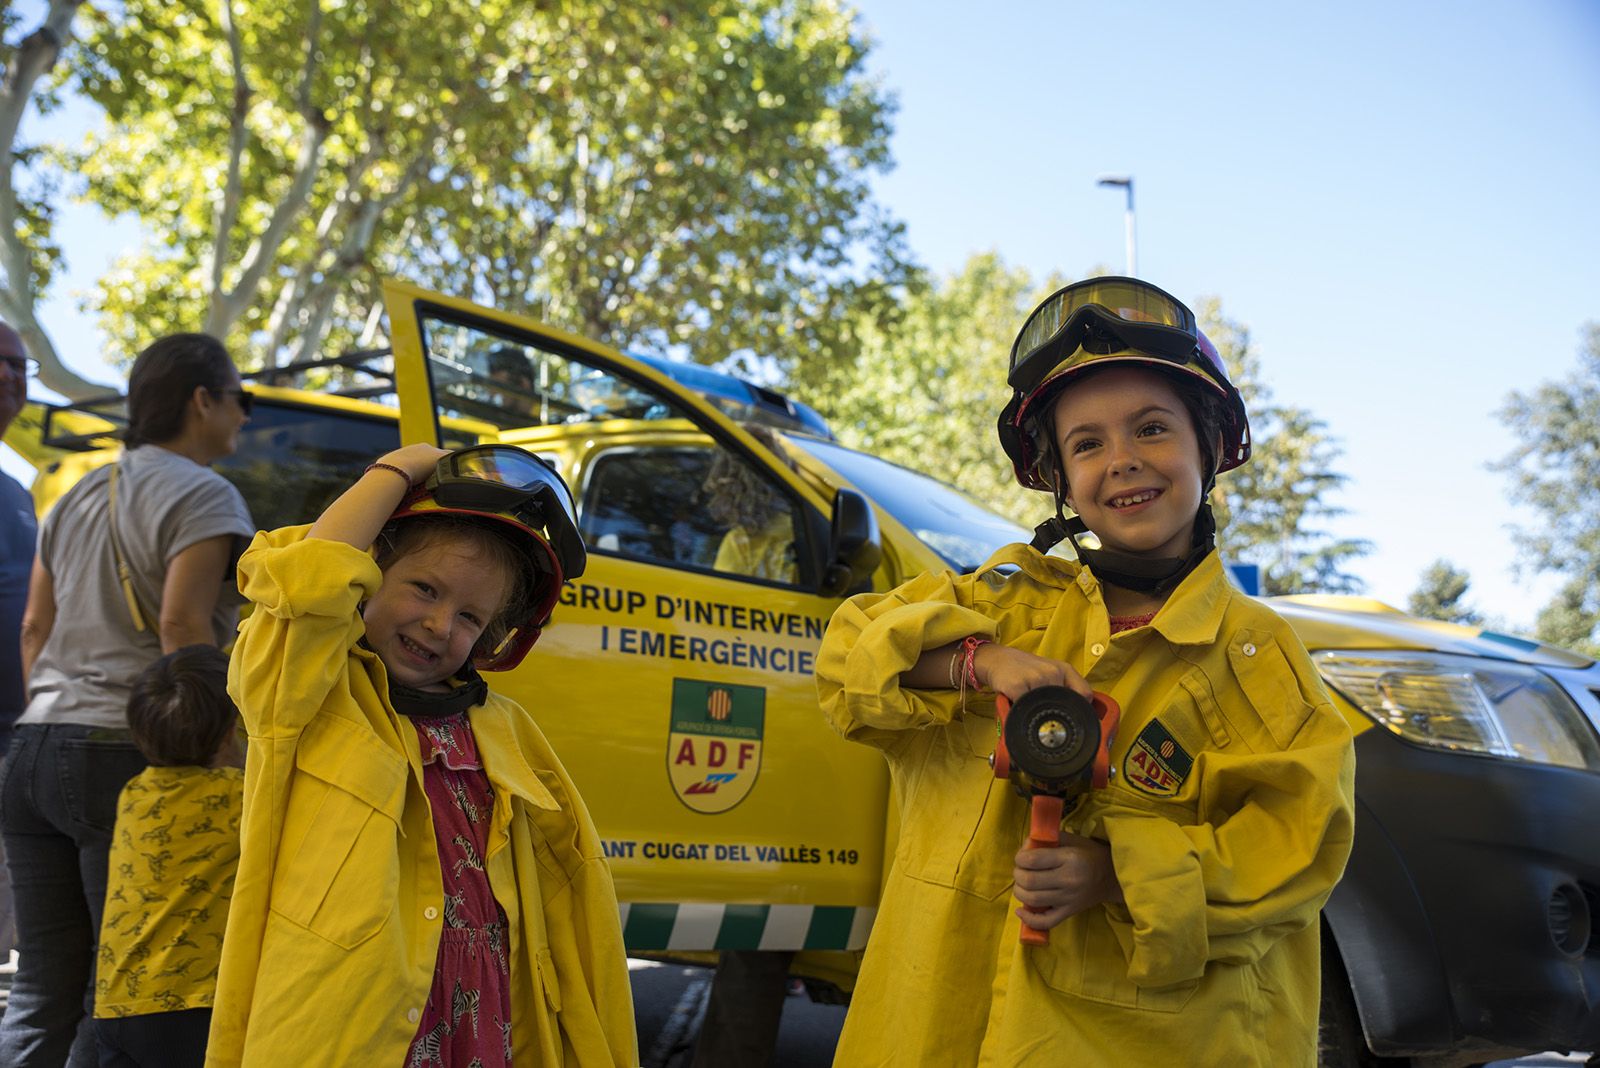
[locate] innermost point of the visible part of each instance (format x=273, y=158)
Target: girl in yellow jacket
x=419, y=882
x=1181, y=904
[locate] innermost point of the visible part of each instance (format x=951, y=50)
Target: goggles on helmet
x=1106, y=314
x=512, y=486
x=490, y=479
x=1101, y=321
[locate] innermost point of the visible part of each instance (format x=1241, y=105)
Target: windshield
x=955, y=526
x=511, y=383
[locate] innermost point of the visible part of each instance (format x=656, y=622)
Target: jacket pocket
x=960, y=826
x=340, y=850
x=1085, y=959
x=546, y=1024
x=91, y=775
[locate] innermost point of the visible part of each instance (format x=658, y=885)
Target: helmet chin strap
x=1143, y=574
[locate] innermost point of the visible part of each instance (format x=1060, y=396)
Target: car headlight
x=1466, y=704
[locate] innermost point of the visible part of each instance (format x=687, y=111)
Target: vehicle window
x=515, y=383
x=690, y=507
x=680, y=504
x=756, y=525
x=955, y=526
x=292, y=461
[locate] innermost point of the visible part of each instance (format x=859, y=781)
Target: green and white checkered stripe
x=651, y=926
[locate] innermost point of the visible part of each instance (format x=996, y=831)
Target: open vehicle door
x=676, y=678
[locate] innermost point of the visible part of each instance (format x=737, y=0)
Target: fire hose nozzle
x=1053, y=744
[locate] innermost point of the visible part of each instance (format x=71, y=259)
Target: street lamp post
x=1126, y=181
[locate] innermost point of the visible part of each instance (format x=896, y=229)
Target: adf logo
x=1156, y=763
x=714, y=742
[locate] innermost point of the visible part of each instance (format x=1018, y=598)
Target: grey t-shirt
x=18, y=532
x=165, y=503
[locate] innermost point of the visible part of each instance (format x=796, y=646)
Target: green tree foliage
x=28, y=187
x=1569, y=619
x=263, y=143
x=696, y=183
x=1555, y=468
x=1270, y=511
x=1439, y=594
x=653, y=175
x=925, y=381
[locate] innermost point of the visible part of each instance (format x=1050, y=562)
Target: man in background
x=18, y=532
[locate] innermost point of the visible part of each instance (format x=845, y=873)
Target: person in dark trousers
x=18, y=532
x=90, y=627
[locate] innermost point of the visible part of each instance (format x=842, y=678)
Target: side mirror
x=854, y=545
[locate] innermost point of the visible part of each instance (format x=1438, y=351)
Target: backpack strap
x=124, y=573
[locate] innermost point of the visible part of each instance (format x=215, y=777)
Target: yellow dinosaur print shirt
x=173, y=859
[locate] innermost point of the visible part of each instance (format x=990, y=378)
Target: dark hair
x=735, y=495
x=164, y=377
x=180, y=712
x=415, y=533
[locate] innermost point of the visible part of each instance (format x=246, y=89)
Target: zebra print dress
x=467, y=1021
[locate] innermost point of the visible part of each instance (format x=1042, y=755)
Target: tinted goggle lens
x=1131, y=302
x=500, y=476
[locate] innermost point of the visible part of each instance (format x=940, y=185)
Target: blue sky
x=1402, y=201
x=1399, y=199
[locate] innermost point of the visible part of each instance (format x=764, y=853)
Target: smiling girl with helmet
x=419, y=881
x=1182, y=902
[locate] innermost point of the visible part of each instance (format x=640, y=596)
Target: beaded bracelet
x=381, y=466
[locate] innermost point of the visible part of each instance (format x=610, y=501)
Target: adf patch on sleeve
x=1156, y=763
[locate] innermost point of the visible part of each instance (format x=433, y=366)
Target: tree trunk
x=35, y=57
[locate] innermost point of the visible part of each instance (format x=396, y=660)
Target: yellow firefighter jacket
x=1229, y=821
x=334, y=926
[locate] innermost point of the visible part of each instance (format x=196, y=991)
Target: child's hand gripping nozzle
x=1053, y=745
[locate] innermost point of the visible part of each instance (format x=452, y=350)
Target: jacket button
x=430, y=913
x=1249, y=649
x=413, y=1015
x=1097, y=648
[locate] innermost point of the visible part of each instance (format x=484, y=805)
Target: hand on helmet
x=417, y=461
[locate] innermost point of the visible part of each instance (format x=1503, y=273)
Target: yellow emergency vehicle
x=676, y=678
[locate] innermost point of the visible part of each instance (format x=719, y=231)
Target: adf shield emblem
x=1156, y=763
x=714, y=742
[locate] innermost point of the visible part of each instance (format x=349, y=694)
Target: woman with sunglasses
x=1175, y=920
x=135, y=561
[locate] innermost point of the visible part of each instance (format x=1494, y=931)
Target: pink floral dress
x=467, y=1021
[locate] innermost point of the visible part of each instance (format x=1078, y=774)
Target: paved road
x=670, y=1000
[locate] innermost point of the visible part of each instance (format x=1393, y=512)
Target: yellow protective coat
x=766, y=553
x=334, y=926
x=1214, y=958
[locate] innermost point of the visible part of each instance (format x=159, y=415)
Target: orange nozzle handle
x=1110, y=715
x=1002, y=755
x=1044, y=831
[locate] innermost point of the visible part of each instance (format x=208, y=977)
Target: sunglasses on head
x=21, y=366
x=247, y=401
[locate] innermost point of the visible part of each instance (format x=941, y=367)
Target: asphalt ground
x=669, y=1002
